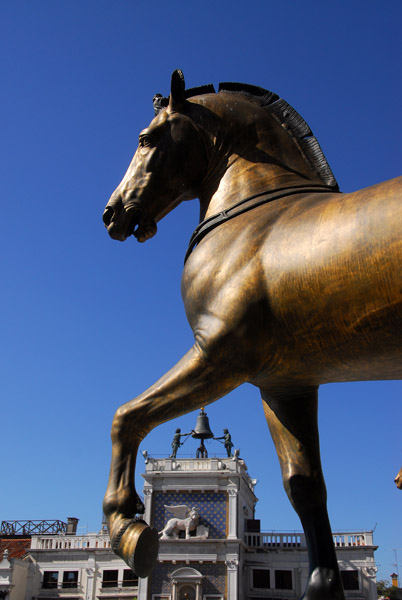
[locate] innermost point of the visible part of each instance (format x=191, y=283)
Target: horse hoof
x=324, y=584
x=137, y=544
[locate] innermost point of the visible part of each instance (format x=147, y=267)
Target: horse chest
x=222, y=284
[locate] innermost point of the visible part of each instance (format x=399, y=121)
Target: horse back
x=332, y=268
x=310, y=284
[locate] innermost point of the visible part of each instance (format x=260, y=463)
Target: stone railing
x=271, y=539
x=276, y=539
x=361, y=538
x=194, y=464
x=63, y=541
x=180, y=464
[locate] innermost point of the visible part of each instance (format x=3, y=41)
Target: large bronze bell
x=202, y=429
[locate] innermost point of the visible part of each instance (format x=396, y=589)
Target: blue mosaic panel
x=213, y=582
x=211, y=506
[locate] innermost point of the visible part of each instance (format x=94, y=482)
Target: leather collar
x=244, y=206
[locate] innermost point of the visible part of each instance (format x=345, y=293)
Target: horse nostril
x=108, y=215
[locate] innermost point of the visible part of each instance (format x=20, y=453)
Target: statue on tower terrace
x=227, y=442
x=176, y=443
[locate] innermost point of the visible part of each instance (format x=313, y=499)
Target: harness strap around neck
x=241, y=207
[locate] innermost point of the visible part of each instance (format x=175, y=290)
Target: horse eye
x=145, y=140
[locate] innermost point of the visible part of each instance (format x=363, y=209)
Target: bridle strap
x=242, y=206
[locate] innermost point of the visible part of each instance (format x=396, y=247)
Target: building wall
x=13, y=578
x=281, y=557
x=220, y=567
x=213, y=583
x=359, y=560
x=19, y=579
x=90, y=565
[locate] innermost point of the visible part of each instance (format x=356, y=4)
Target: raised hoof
x=324, y=584
x=137, y=544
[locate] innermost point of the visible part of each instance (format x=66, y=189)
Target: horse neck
x=244, y=180
x=247, y=158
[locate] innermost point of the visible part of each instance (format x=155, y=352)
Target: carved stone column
x=232, y=513
x=143, y=583
x=370, y=581
x=232, y=565
x=90, y=573
x=148, y=504
x=174, y=589
x=298, y=573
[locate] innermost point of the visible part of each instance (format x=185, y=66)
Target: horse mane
x=281, y=111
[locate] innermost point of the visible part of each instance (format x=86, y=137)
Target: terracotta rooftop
x=17, y=547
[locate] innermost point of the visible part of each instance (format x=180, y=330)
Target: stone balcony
x=194, y=464
x=272, y=539
x=184, y=466
x=283, y=540
x=63, y=541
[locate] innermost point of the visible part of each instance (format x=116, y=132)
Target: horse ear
x=177, y=90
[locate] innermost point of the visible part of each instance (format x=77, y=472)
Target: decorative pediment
x=186, y=574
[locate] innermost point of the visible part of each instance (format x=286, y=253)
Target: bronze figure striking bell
x=202, y=429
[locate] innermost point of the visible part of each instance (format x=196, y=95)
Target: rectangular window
x=261, y=579
x=130, y=579
x=110, y=578
x=70, y=579
x=350, y=580
x=283, y=580
x=50, y=579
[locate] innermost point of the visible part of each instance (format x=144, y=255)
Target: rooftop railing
x=276, y=539
x=270, y=539
x=63, y=542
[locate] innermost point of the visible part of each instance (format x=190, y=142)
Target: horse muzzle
x=121, y=222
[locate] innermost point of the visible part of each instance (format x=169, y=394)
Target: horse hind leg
x=292, y=419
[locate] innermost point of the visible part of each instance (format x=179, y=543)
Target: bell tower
x=200, y=506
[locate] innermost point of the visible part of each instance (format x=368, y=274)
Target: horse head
x=212, y=146
x=166, y=169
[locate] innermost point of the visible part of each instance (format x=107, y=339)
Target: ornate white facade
x=226, y=557
x=236, y=561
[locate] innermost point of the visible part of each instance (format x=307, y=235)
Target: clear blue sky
x=88, y=323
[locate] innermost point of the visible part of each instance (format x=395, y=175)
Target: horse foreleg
x=292, y=419
x=193, y=382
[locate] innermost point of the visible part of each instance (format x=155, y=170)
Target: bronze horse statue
x=287, y=284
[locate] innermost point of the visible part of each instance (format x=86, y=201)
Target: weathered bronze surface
x=398, y=479
x=227, y=442
x=299, y=291
x=176, y=442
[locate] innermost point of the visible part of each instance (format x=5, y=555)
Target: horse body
x=298, y=290
x=301, y=274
